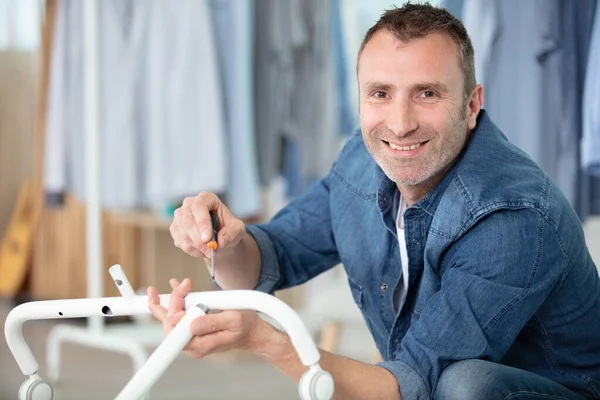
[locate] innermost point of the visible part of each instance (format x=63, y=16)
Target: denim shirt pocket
x=357, y=293
x=359, y=298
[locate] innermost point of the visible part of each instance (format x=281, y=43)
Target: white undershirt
x=403, y=253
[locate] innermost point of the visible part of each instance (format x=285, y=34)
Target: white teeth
x=406, y=148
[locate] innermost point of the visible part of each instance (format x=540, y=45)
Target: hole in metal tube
x=118, y=282
x=60, y=313
x=106, y=310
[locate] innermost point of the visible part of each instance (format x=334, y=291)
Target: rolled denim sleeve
x=412, y=386
x=298, y=243
x=493, y=280
x=269, y=273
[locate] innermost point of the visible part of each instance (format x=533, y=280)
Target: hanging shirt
x=590, y=144
x=123, y=28
x=348, y=115
x=295, y=83
x=531, y=69
x=315, y=127
x=517, y=60
x=232, y=23
x=55, y=173
x=274, y=40
x=161, y=129
x=480, y=18
x=183, y=123
x=64, y=168
x=576, y=20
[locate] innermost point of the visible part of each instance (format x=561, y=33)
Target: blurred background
x=112, y=112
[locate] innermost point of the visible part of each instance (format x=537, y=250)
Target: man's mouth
x=406, y=147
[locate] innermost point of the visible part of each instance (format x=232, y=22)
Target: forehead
x=433, y=57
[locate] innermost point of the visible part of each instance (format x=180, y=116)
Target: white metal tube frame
x=316, y=384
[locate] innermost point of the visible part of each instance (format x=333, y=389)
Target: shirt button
x=384, y=286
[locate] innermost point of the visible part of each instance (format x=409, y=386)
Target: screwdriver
x=214, y=243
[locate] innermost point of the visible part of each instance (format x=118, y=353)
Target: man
x=469, y=266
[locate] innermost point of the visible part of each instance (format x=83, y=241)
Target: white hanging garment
x=63, y=152
x=183, y=128
x=161, y=130
x=232, y=21
x=123, y=26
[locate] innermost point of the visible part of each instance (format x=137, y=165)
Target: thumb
x=232, y=231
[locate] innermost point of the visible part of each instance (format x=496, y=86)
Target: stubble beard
x=413, y=172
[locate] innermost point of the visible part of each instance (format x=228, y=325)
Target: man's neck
x=412, y=194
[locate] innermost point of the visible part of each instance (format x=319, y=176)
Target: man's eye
x=379, y=95
x=428, y=93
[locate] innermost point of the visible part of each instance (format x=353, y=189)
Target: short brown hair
x=414, y=21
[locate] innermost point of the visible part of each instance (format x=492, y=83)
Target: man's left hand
x=213, y=333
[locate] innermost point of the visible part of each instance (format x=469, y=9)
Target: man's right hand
x=191, y=228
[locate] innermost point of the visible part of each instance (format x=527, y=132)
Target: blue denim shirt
x=498, y=265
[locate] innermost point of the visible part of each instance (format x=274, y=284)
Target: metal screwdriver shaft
x=214, y=243
x=212, y=262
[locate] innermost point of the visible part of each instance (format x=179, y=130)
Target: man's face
x=412, y=114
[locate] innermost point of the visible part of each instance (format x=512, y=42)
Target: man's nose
x=403, y=120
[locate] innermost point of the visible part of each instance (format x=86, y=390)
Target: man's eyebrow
x=435, y=86
x=376, y=85
x=416, y=87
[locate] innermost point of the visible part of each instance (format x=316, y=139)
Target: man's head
x=418, y=96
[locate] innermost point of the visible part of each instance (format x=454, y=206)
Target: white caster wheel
x=35, y=389
x=316, y=384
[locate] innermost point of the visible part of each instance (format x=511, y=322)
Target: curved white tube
x=118, y=306
x=120, y=279
x=162, y=357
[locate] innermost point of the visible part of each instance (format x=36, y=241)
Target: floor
x=93, y=374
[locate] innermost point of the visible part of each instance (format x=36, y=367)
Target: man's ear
x=474, y=106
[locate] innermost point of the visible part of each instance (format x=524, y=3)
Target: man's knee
x=465, y=380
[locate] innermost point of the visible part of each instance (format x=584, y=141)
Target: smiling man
x=469, y=266
x=416, y=106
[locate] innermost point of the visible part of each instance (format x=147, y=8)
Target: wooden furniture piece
x=20, y=148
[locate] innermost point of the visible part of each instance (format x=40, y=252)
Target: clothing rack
x=125, y=339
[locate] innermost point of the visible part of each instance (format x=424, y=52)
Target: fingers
x=181, y=239
x=201, y=346
x=224, y=331
x=158, y=311
x=180, y=290
x=176, y=303
x=191, y=228
x=211, y=323
x=200, y=207
x=231, y=229
x=174, y=283
x=188, y=221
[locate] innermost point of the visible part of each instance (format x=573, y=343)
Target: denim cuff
x=412, y=386
x=269, y=271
